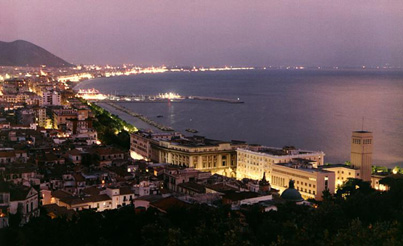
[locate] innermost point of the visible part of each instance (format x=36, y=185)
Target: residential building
x=51, y=98
x=60, y=117
x=173, y=176
x=120, y=196
x=24, y=199
x=4, y=204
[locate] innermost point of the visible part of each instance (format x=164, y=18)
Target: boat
x=159, y=116
x=192, y=130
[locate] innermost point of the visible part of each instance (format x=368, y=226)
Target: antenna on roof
x=362, y=126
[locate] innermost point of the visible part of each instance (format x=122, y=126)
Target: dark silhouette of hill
x=22, y=53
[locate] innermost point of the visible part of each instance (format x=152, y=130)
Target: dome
x=291, y=194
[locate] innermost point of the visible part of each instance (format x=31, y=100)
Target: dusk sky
x=211, y=32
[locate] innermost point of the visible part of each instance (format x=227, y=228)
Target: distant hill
x=23, y=53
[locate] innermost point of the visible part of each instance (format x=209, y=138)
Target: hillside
x=23, y=53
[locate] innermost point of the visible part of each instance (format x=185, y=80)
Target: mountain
x=22, y=53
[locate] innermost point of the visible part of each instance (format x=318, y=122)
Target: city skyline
x=207, y=33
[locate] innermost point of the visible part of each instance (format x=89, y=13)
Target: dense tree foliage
x=111, y=129
x=355, y=216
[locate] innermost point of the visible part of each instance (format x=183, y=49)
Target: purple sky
x=211, y=32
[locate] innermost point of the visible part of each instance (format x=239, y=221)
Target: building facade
x=309, y=181
x=196, y=152
x=280, y=165
x=254, y=161
x=51, y=98
x=361, y=153
x=200, y=153
x=342, y=173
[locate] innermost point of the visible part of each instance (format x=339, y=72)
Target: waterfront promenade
x=139, y=116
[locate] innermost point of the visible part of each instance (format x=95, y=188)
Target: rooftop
x=196, y=141
x=168, y=203
x=19, y=192
x=362, y=131
x=237, y=196
x=57, y=211
x=303, y=167
x=198, y=188
x=338, y=165
x=286, y=150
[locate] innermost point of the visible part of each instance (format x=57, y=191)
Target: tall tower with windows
x=361, y=153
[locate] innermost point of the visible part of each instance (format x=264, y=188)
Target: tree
x=326, y=195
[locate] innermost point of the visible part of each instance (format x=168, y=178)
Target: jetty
x=215, y=99
x=140, y=116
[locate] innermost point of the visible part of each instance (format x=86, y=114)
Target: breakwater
x=215, y=99
x=140, y=116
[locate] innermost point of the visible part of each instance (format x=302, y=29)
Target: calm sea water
x=314, y=110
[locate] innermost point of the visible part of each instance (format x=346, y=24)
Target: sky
x=211, y=32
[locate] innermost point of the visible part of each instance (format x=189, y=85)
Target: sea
x=308, y=109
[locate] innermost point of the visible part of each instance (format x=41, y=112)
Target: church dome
x=291, y=194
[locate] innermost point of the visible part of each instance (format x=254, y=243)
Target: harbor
x=95, y=95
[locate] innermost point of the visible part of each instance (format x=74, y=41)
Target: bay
x=315, y=110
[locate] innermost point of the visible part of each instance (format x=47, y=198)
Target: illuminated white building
x=51, y=98
x=342, y=173
x=256, y=160
x=280, y=165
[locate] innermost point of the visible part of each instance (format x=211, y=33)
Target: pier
x=140, y=116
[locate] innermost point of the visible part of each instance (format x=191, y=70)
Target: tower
x=361, y=153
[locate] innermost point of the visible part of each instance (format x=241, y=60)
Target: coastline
x=275, y=134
